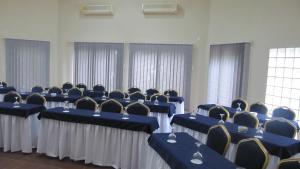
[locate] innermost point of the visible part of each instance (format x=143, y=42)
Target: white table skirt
x=18, y=133
x=154, y=160
x=231, y=152
x=99, y=145
x=1, y=97
x=179, y=107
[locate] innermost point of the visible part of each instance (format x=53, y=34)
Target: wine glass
x=221, y=121
x=156, y=101
x=239, y=109
x=172, y=136
x=97, y=112
x=66, y=107
x=259, y=131
x=66, y=94
x=193, y=114
x=16, y=103
x=103, y=95
x=125, y=114
x=1, y=85
x=197, y=157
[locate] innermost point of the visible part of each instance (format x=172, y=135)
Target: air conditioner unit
x=160, y=8
x=97, y=10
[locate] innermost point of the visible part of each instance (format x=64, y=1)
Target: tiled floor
x=37, y=161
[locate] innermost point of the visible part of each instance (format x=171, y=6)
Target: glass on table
x=197, y=157
x=66, y=107
x=125, y=115
x=194, y=113
x=221, y=121
x=172, y=136
x=1, y=85
x=156, y=101
x=239, y=109
x=97, y=112
x=259, y=131
x=103, y=95
x=16, y=103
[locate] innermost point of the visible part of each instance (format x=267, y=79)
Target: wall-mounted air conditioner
x=160, y=7
x=96, y=9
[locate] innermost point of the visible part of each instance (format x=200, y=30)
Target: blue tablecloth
x=277, y=145
x=57, y=98
x=4, y=90
x=176, y=99
x=24, y=110
x=168, y=108
x=178, y=155
x=261, y=117
x=135, y=122
x=94, y=94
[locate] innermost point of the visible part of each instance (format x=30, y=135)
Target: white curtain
x=99, y=63
x=161, y=66
x=228, y=72
x=27, y=63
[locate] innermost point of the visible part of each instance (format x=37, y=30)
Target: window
x=99, y=63
x=27, y=63
x=283, y=81
x=161, y=66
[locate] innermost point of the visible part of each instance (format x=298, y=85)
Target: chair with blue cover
x=4, y=84
x=11, y=97
x=98, y=88
x=172, y=93
x=259, y=108
x=116, y=94
x=218, y=139
x=160, y=98
x=37, y=89
x=245, y=119
x=75, y=92
x=284, y=112
x=292, y=163
x=243, y=104
x=111, y=105
x=56, y=90
x=86, y=103
x=137, y=96
x=67, y=86
x=281, y=126
x=151, y=92
x=81, y=86
x=133, y=90
x=216, y=111
x=138, y=109
x=36, y=99
x=251, y=154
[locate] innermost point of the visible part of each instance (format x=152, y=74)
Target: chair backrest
x=281, y=127
x=218, y=139
x=36, y=99
x=37, y=89
x=4, y=84
x=11, y=97
x=133, y=90
x=216, y=111
x=137, y=96
x=138, y=109
x=160, y=98
x=86, y=103
x=243, y=104
x=292, y=163
x=67, y=86
x=116, y=95
x=251, y=154
x=99, y=88
x=75, y=92
x=284, y=112
x=56, y=90
x=151, y=92
x=173, y=93
x=111, y=106
x=81, y=86
x=259, y=108
x=245, y=119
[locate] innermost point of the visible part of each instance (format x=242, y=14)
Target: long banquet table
x=164, y=155
x=279, y=147
x=4, y=90
x=105, y=140
x=18, y=126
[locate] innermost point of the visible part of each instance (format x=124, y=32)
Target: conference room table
x=165, y=155
x=18, y=126
x=100, y=138
x=4, y=90
x=278, y=147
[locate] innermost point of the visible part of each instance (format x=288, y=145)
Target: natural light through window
x=283, y=83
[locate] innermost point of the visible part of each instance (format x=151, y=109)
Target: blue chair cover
x=116, y=95
x=284, y=112
x=75, y=92
x=160, y=98
x=35, y=99
x=251, y=154
x=55, y=90
x=216, y=112
x=293, y=163
x=172, y=93
x=151, y=92
x=11, y=97
x=4, y=84
x=86, y=103
x=259, y=108
x=244, y=104
x=133, y=90
x=111, y=106
x=37, y=89
x=137, y=96
x=81, y=86
x=245, y=119
x=281, y=127
x=138, y=109
x=218, y=139
x=99, y=88
x=67, y=86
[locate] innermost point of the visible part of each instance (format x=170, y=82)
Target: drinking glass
x=197, y=157
x=194, y=113
x=172, y=136
x=239, y=109
x=221, y=121
x=259, y=131
x=16, y=103
x=97, y=112
x=156, y=101
x=125, y=114
x=103, y=96
x=1, y=85
x=66, y=107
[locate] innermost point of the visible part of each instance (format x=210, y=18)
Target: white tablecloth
x=99, y=145
x=18, y=133
x=231, y=152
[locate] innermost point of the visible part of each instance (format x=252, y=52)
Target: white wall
x=265, y=23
